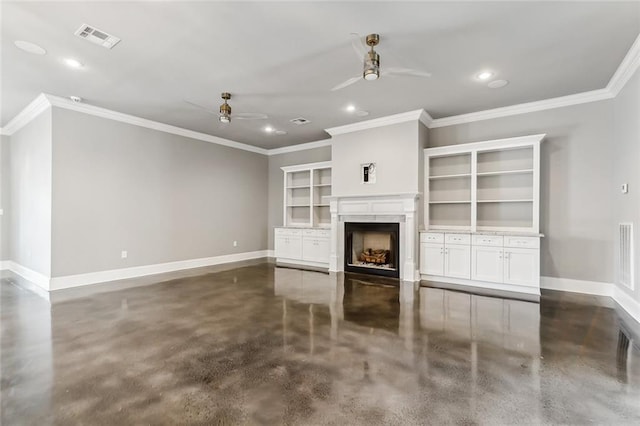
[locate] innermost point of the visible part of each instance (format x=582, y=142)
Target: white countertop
x=504, y=233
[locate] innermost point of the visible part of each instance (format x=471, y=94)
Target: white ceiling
x=282, y=58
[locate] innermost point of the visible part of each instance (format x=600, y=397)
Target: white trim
x=271, y=253
x=626, y=302
x=627, y=68
x=299, y=147
x=562, y=101
x=297, y=262
x=149, y=124
x=483, y=284
x=24, y=117
x=40, y=280
x=577, y=286
x=425, y=118
x=5, y=265
x=308, y=166
x=378, y=122
x=58, y=283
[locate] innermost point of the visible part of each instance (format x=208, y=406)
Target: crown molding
x=562, y=101
x=425, y=118
x=149, y=124
x=299, y=147
x=24, y=117
x=627, y=68
x=376, y=122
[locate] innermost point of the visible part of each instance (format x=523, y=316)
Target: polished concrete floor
x=266, y=345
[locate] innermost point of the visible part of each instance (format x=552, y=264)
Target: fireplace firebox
x=372, y=248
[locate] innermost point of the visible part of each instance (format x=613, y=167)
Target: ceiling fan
x=224, y=116
x=371, y=70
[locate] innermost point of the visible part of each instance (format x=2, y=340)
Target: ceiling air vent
x=300, y=121
x=97, y=36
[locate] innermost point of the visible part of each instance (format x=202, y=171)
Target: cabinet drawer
x=289, y=232
x=524, y=242
x=488, y=240
x=431, y=237
x=316, y=233
x=457, y=239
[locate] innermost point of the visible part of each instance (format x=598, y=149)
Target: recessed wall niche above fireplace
x=372, y=248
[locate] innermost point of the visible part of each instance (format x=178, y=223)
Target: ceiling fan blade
x=406, y=71
x=210, y=111
x=249, y=116
x=344, y=84
x=358, y=46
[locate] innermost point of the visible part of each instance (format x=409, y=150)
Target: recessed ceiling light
x=484, y=75
x=351, y=108
x=73, y=63
x=362, y=113
x=280, y=132
x=268, y=129
x=496, y=84
x=29, y=47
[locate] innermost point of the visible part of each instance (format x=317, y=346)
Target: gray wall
x=276, y=180
x=576, y=193
x=5, y=187
x=31, y=195
x=159, y=196
x=395, y=149
x=626, y=150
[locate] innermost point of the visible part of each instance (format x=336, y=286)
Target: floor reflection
x=282, y=346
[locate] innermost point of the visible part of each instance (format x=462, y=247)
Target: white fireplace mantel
x=400, y=208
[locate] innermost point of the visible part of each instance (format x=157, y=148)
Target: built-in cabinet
x=308, y=247
x=307, y=188
x=304, y=239
x=482, y=214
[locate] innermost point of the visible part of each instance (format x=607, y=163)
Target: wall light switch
x=235, y=244
x=1, y=212
x=123, y=254
x=624, y=188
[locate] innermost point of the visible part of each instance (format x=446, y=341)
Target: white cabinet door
x=487, y=264
x=315, y=250
x=432, y=259
x=288, y=247
x=457, y=261
x=521, y=266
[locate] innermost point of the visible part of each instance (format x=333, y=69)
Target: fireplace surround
x=400, y=208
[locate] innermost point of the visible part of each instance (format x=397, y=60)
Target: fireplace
x=372, y=248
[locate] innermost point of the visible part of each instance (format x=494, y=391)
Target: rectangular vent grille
x=300, y=120
x=625, y=255
x=97, y=36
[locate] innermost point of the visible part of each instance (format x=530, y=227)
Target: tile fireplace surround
x=400, y=208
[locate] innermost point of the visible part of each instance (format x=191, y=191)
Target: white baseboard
x=34, y=277
x=69, y=281
x=627, y=302
x=271, y=253
x=5, y=265
x=577, y=286
x=533, y=291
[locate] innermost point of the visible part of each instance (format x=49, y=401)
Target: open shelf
x=451, y=202
x=506, y=172
x=506, y=201
x=450, y=165
x=484, y=185
x=462, y=175
x=307, y=194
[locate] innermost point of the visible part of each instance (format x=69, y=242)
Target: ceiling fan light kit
x=225, y=109
x=372, y=59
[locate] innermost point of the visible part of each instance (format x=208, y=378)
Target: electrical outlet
x=235, y=244
x=123, y=254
